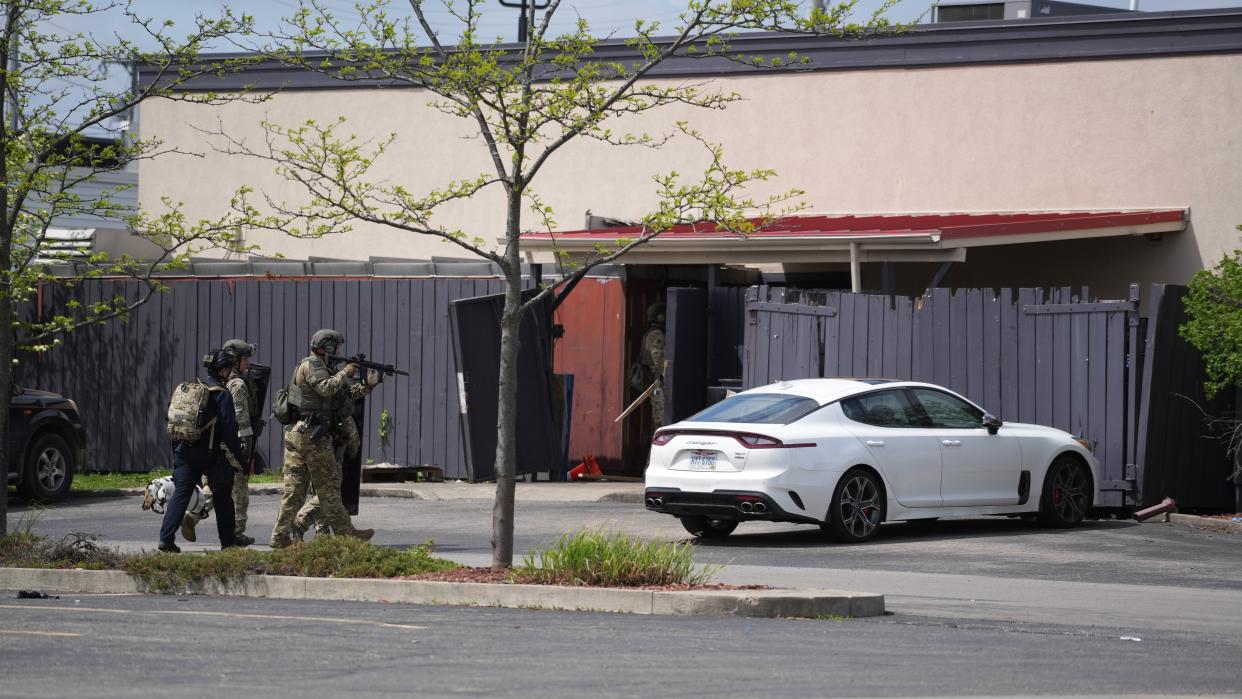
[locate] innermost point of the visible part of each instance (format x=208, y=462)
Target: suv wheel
x=49, y=469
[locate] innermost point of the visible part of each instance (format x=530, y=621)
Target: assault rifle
x=363, y=363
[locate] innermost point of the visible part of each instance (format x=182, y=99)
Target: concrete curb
x=1216, y=525
x=419, y=491
x=743, y=603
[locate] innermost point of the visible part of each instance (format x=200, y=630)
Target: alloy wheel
x=50, y=468
x=859, y=507
x=1069, y=493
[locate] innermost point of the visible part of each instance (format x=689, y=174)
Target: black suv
x=46, y=444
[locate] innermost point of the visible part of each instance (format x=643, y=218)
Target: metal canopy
x=854, y=239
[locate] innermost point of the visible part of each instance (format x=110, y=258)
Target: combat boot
x=243, y=539
x=364, y=534
x=187, y=528
x=280, y=542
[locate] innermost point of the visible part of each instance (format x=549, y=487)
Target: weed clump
x=22, y=549
x=611, y=559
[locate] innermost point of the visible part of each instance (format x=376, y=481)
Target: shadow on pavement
x=904, y=532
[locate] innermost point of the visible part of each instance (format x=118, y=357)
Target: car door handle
x=951, y=442
x=874, y=443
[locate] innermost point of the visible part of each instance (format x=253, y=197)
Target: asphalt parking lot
x=1102, y=551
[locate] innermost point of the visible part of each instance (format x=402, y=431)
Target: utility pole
x=525, y=21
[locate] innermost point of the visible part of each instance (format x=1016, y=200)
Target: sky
x=606, y=17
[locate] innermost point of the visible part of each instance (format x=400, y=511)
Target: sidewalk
x=580, y=491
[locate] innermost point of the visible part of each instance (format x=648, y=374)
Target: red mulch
x=488, y=575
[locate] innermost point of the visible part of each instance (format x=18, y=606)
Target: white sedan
x=848, y=454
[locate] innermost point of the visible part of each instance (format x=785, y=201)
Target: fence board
x=875, y=335
x=903, y=312
x=975, y=357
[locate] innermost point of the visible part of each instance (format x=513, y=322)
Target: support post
x=855, y=269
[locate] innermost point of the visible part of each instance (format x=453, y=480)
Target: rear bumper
x=739, y=505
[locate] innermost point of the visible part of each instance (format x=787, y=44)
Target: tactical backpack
x=188, y=408
x=285, y=412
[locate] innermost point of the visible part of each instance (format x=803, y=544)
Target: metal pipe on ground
x=1164, y=508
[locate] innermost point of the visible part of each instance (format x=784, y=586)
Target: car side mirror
x=992, y=422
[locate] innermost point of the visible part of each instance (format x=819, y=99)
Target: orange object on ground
x=588, y=467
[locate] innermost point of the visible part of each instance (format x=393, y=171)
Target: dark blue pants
x=189, y=467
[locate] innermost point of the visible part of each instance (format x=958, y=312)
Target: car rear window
x=758, y=408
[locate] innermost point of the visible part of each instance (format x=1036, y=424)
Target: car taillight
x=758, y=441
x=663, y=438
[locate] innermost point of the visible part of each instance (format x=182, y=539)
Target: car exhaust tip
x=650, y=502
x=745, y=506
x=761, y=507
x=659, y=502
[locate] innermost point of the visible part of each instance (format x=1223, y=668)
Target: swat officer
x=347, y=443
x=244, y=403
x=310, y=457
x=653, y=358
x=205, y=457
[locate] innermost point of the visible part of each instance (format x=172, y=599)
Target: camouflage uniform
x=653, y=357
x=241, y=472
x=311, y=462
x=345, y=434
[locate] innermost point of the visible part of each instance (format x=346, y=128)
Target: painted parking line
x=24, y=632
x=229, y=615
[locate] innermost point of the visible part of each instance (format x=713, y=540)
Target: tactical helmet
x=218, y=359
x=241, y=348
x=655, y=314
x=324, y=337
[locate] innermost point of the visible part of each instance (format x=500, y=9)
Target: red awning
x=868, y=238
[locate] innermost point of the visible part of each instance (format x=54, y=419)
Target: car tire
x=857, y=507
x=49, y=469
x=1066, y=495
x=708, y=528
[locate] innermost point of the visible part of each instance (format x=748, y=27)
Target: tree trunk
x=6, y=382
x=506, y=414
x=6, y=263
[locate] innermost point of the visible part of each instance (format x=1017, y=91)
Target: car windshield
x=758, y=408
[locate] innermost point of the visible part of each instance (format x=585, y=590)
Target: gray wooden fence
x=1050, y=357
x=122, y=373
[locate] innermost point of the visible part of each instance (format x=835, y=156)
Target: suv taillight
x=663, y=438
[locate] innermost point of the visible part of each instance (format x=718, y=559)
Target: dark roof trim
x=1091, y=37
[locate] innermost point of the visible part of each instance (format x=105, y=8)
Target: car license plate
x=703, y=461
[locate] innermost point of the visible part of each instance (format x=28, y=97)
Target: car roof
x=828, y=390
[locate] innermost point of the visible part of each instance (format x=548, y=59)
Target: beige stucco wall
x=1160, y=132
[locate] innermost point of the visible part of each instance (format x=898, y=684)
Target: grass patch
x=322, y=557
x=612, y=559
x=113, y=481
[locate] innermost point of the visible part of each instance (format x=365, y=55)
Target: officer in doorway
x=653, y=358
